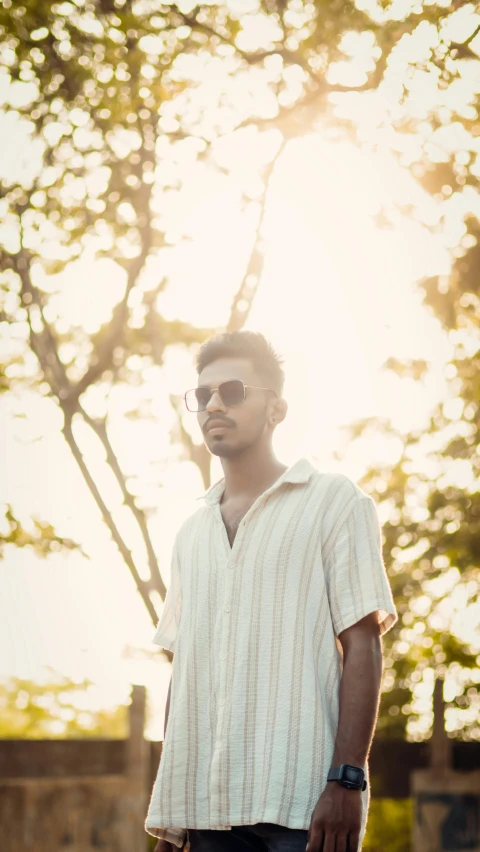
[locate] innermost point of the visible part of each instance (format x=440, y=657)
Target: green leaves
x=41, y=538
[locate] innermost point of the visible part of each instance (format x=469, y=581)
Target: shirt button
x=231, y=564
x=227, y=609
x=224, y=656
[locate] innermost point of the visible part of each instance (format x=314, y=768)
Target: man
x=277, y=601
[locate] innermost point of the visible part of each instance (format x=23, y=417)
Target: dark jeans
x=263, y=836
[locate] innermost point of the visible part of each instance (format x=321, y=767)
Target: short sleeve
x=167, y=627
x=357, y=582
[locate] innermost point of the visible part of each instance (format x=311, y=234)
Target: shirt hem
x=268, y=816
x=164, y=642
x=172, y=835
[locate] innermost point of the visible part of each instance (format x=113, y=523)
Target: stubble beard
x=221, y=448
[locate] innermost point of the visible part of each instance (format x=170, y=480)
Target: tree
x=433, y=530
x=429, y=494
x=106, y=94
x=431, y=552
x=91, y=110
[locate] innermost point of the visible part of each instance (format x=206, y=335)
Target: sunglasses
x=231, y=393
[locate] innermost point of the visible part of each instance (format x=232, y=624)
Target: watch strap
x=334, y=773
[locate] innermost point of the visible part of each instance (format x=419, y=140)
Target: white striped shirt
x=255, y=681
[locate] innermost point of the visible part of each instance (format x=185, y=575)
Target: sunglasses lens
x=202, y=396
x=232, y=392
x=197, y=399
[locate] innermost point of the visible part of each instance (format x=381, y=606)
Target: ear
x=278, y=412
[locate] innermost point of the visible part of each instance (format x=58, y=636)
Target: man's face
x=239, y=426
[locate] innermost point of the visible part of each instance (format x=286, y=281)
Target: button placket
x=226, y=614
x=231, y=564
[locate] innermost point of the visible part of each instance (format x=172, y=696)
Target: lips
x=216, y=424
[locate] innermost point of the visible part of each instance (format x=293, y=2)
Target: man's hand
x=336, y=820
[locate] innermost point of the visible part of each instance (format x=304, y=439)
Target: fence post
x=137, y=746
x=138, y=764
x=441, y=748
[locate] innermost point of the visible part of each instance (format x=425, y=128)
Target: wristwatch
x=351, y=777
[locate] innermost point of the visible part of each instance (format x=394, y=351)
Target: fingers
x=315, y=841
x=320, y=841
x=353, y=842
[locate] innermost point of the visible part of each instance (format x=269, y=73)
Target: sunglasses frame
x=213, y=390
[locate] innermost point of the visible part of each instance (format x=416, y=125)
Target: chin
x=222, y=451
x=219, y=447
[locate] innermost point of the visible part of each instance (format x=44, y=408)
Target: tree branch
x=255, y=58
x=251, y=280
x=141, y=585
x=287, y=117
x=99, y=427
x=44, y=342
x=463, y=49
x=45, y=347
x=197, y=453
x=103, y=356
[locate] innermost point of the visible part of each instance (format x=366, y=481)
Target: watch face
x=350, y=773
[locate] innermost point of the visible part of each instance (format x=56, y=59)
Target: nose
x=215, y=403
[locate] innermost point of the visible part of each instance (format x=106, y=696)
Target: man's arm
x=359, y=691
x=337, y=817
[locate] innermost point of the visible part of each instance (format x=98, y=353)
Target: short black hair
x=245, y=344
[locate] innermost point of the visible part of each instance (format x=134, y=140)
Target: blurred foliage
x=41, y=538
x=431, y=500
x=389, y=826
x=57, y=709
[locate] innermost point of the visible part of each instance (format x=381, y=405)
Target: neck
x=251, y=473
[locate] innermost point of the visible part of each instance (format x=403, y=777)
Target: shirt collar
x=298, y=474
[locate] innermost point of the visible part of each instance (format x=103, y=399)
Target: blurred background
x=309, y=170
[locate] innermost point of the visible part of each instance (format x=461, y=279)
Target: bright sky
x=337, y=298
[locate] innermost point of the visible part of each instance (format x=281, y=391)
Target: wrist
x=352, y=758
x=337, y=791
